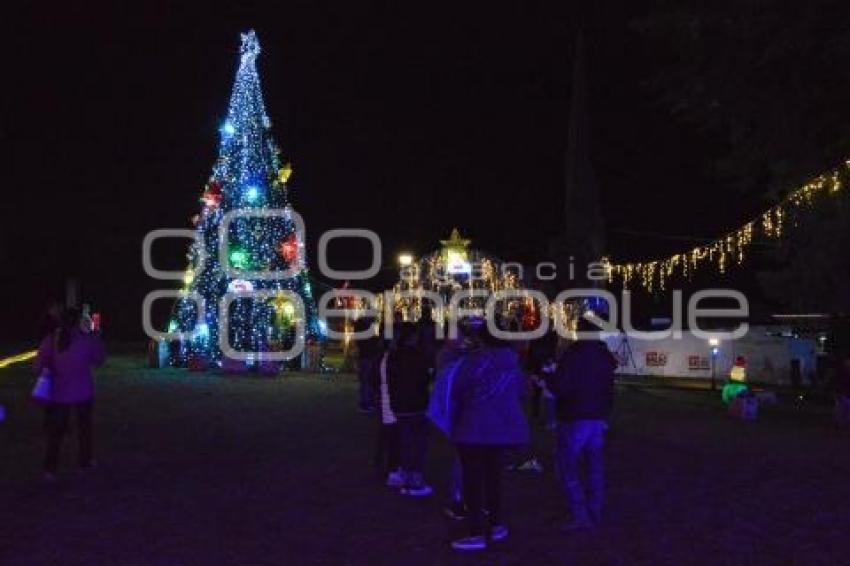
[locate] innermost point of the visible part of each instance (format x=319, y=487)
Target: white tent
x=770, y=355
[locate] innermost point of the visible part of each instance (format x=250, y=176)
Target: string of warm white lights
x=732, y=246
x=18, y=358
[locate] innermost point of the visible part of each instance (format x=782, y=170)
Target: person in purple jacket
x=69, y=354
x=487, y=417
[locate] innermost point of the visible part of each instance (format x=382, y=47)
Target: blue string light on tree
x=248, y=173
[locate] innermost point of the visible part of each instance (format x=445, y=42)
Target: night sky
x=406, y=121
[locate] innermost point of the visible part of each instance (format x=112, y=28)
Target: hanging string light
x=653, y=274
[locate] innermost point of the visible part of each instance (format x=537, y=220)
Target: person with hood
x=583, y=385
x=485, y=418
x=69, y=354
x=369, y=351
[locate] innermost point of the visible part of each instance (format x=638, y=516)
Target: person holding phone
x=69, y=354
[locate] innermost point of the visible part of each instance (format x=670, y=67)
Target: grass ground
x=208, y=469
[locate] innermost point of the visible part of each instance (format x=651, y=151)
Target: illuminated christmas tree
x=246, y=198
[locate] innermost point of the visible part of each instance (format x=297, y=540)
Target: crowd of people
x=475, y=389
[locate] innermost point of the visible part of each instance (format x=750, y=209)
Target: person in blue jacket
x=486, y=418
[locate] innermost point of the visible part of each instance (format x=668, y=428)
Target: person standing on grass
x=427, y=339
x=387, y=450
x=541, y=357
x=842, y=393
x=69, y=354
x=449, y=358
x=486, y=404
x=408, y=378
x=369, y=352
x=583, y=385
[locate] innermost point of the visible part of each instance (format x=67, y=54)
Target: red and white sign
x=698, y=363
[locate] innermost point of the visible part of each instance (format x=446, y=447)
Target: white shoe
x=417, y=491
x=532, y=465
x=395, y=479
x=470, y=543
x=499, y=532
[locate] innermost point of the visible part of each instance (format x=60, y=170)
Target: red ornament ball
x=289, y=249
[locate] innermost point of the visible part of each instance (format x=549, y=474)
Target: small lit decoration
x=289, y=249
x=455, y=253
x=456, y=242
x=284, y=311
x=737, y=384
x=530, y=315
x=346, y=300
x=212, y=194
x=240, y=286
x=456, y=262
x=731, y=247
x=251, y=193
x=203, y=331
x=228, y=129
x=239, y=258
x=283, y=306
x=738, y=373
x=284, y=173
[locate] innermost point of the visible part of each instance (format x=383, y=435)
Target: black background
x=408, y=121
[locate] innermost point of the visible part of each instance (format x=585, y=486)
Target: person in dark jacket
x=427, y=341
x=407, y=383
x=51, y=320
x=370, y=350
x=449, y=359
x=486, y=407
x=583, y=385
x=541, y=358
